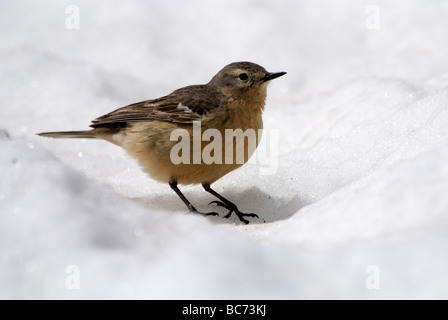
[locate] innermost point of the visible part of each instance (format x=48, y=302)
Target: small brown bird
x=233, y=99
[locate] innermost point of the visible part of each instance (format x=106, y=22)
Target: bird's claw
x=233, y=208
x=205, y=213
x=219, y=204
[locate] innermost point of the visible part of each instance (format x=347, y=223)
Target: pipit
x=233, y=99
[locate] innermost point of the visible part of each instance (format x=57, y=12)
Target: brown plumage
x=233, y=99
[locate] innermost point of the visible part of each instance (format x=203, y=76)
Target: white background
x=357, y=208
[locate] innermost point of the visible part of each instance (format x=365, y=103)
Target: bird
x=233, y=99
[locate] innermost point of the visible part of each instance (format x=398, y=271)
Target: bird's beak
x=273, y=75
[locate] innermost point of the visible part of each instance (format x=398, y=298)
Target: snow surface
x=357, y=207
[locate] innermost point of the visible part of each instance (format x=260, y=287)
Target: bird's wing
x=183, y=106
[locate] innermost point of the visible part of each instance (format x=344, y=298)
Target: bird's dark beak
x=273, y=75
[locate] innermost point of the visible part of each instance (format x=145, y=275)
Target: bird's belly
x=193, y=157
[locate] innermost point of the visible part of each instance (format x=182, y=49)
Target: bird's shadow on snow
x=253, y=200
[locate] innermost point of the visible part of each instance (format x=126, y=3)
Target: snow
x=357, y=207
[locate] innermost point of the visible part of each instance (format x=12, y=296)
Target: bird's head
x=240, y=79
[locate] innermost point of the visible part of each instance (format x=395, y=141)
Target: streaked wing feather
x=184, y=106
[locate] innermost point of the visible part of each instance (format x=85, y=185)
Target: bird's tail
x=69, y=134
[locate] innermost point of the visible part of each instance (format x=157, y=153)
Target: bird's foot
x=234, y=209
x=204, y=213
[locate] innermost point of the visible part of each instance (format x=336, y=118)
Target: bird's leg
x=173, y=185
x=228, y=205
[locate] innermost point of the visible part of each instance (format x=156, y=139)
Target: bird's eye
x=243, y=76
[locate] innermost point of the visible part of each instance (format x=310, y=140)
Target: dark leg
x=228, y=205
x=173, y=185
